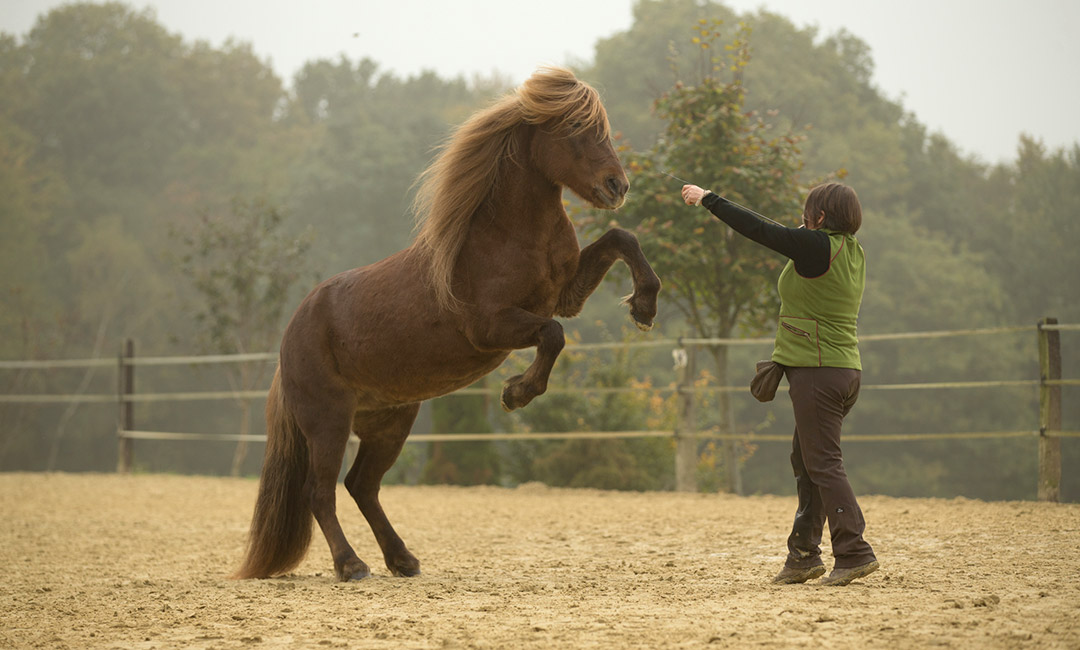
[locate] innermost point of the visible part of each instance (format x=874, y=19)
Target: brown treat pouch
x=763, y=385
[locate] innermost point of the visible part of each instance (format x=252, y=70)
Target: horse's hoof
x=512, y=397
x=644, y=323
x=353, y=571
x=405, y=566
x=503, y=400
x=510, y=404
x=643, y=326
x=642, y=315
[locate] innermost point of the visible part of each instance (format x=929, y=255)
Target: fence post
x=125, y=385
x=685, y=442
x=1049, y=412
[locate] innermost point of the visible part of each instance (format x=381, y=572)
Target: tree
x=28, y=192
x=104, y=106
x=819, y=86
x=372, y=135
x=117, y=128
x=237, y=141
x=634, y=67
x=1038, y=240
x=108, y=124
x=243, y=266
x=718, y=280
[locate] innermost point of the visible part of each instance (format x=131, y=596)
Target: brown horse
x=494, y=259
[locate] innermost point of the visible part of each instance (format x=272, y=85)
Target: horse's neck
x=524, y=200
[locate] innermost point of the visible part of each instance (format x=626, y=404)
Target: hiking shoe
x=790, y=576
x=841, y=577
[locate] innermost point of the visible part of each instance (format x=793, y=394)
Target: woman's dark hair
x=840, y=204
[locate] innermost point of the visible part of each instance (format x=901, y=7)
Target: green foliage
x=133, y=131
x=820, y=87
x=29, y=191
x=104, y=102
x=1037, y=245
x=242, y=266
x=372, y=135
x=634, y=67
x=462, y=463
x=618, y=464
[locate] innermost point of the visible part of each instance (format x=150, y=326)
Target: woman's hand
x=693, y=194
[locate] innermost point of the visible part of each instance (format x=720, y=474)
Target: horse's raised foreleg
x=382, y=434
x=595, y=260
x=514, y=329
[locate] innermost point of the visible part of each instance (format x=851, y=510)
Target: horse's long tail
x=281, y=526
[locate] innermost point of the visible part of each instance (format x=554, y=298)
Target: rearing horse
x=494, y=259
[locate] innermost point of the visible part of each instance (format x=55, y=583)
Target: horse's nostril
x=617, y=185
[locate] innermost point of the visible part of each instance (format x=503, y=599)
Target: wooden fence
x=1049, y=384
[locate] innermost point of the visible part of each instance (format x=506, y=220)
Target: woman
x=820, y=292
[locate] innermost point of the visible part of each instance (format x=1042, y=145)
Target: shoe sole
x=799, y=578
x=857, y=572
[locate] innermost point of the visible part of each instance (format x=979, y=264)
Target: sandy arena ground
x=107, y=561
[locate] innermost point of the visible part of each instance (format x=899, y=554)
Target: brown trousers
x=821, y=398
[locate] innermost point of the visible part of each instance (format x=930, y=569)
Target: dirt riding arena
x=107, y=561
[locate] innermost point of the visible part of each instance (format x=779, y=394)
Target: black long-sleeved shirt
x=808, y=249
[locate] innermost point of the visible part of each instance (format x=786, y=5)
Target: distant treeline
x=119, y=139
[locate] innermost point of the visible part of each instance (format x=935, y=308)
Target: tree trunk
x=240, y=454
x=686, y=443
x=242, y=446
x=726, y=419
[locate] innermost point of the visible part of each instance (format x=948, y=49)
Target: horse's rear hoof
x=509, y=403
x=353, y=571
x=514, y=396
x=404, y=566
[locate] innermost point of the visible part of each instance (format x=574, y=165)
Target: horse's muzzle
x=612, y=193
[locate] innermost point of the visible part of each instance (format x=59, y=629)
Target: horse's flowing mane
x=465, y=171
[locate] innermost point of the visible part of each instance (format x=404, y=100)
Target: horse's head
x=583, y=160
x=572, y=145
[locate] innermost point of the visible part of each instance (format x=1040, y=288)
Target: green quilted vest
x=818, y=316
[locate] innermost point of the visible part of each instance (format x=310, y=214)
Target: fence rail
x=194, y=396
x=1049, y=384
x=613, y=435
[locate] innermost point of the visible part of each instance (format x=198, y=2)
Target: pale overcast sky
x=980, y=71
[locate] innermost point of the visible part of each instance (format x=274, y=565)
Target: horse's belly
x=418, y=372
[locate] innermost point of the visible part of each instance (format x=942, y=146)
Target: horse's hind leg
x=382, y=435
x=326, y=426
